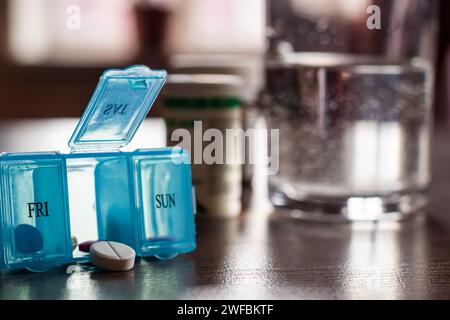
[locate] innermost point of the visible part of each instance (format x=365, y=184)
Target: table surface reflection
x=263, y=256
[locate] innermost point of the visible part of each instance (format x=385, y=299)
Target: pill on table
x=86, y=246
x=28, y=239
x=112, y=256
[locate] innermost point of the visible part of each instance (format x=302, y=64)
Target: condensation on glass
x=349, y=85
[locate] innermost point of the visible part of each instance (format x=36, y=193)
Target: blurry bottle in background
x=249, y=68
x=199, y=109
x=352, y=101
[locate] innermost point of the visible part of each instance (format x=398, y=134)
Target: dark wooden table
x=263, y=256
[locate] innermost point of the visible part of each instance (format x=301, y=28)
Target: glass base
x=394, y=207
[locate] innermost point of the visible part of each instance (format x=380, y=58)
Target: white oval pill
x=112, y=256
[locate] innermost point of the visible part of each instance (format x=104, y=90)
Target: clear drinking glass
x=349, y=86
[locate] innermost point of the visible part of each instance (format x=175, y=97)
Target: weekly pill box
x=142, y=198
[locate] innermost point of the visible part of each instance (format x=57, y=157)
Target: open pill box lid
x=119, y=105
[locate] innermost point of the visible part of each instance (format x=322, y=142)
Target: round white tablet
x=112, y=256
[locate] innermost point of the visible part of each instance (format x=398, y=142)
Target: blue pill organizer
x=142, y=198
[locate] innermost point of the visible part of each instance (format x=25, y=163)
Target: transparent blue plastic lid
x=117, y=108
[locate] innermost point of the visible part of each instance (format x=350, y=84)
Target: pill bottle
x=208, y=107
x=250, y=67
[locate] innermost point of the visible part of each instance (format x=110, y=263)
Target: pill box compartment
x=164, y=202
x=145, y=200
x=82, y=202
x=141, y=198
x=34, y=211
x=114, y=198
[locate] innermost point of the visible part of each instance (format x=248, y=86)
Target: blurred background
x=52, y=52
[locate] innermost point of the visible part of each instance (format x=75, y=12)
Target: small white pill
x=112, y=256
